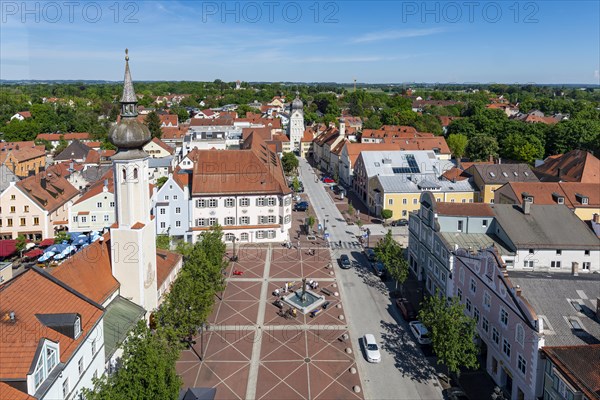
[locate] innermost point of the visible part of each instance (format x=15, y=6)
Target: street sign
x=327, y=236
x=365, y=235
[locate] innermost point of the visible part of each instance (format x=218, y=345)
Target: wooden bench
x=327, y=292
x=314, y=313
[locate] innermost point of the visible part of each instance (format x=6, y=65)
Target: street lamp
x=234, y=257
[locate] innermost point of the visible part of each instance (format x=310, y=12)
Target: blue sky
x=374, y=42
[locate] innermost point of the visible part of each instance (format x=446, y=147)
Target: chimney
x=559, y=172
x=43, y=183
x=596, y=218
x=526, y=200
x=598, y=307
x=575, y=268
x=518, y=290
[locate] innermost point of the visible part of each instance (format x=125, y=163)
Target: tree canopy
x=391, y=254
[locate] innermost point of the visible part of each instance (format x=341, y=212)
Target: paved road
x=404, y=372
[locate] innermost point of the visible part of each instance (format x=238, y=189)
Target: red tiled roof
x=447, y=120
x=163, y=145
x=89, y=271
x=32, y=293
x=580, y=364
x=308, y=135
x=137, y=225
x=8, y=392
x=57, y=192
x=455, y=174
x=67, y=136
x=25, y=114
x=174, y=132
x=422, y=143
x=27, y=153
x=165, y=263
x=257, y=170
x=6, y=146
x=169, y=119
x=574, y=166
x=354, y=149
x=464, y=209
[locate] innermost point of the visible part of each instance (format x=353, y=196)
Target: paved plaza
x=250, y=351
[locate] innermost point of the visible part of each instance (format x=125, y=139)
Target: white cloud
x=396, y=34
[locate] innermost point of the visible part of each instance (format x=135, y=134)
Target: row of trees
x=452, y=332
x=147, y=368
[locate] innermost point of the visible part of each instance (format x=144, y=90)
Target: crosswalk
x=345, y=245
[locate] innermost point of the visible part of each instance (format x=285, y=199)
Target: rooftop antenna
x=355, y=84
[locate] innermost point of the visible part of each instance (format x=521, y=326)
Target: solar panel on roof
x=413, y=167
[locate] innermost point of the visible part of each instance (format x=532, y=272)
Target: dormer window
x=47, y=361
x=558, y=198
x=77, y=329
x=581, y=198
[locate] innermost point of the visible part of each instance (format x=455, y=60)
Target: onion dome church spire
x=129, y=135
x=297, y=103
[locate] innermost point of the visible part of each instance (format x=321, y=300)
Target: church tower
x=133, y=238
x=296, y=126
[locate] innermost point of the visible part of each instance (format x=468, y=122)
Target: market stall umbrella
x=47, y=242
x=59, y=256
x=46, y=256
x=8, y=247
x=33, y=253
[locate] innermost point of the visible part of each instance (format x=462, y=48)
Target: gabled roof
x=98, y=187
x=581, y=364
x=89, y=271
x=464, y=209
x=172, y=132
x=6, y=177
x=8, y=392
x=67, y=136
x=169, y=119
x=437, y=143
x=163, y=145
x=547, y=192
x=329, y=136
x=76, y=150
x=574, y=166
x=494, y=174
x=308, y=135
x=456, y=174
x=36, y=292
x=28, y=153
x=166, y=261
x=57, y=190
x=257, y=170
x=546, y=226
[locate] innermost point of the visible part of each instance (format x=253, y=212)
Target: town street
x=404, y=372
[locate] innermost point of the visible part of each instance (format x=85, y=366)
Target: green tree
x=310, y=221
x=147, y=370
x=296, y=184
x=47, y=145
x=522, y=148
x=163, y=242
x=391, y=254
x=458, y=144
x=153, y=122
x=192, y=296
x=350, y=209
x=386, y=214
x=289, y=162
x=452, y=332
x=20, y=244
x=61, y=237
x=161, y=181
x=481, y=147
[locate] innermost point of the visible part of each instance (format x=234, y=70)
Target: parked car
x=420, y=332
x=301, y=206
x=400, y=222
x=345, y=262
x=378, y=269
x=456, y=393
x=328, y=180
x=406, y=309
x=371, y=348
x=370, y=254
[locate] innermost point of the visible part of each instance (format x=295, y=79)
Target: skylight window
x=493, y=175
x=575, y=324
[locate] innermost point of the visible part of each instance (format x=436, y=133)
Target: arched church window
x=135, y=173
x=124, y=173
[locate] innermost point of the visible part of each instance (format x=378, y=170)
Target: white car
x=371, y=348
x=420, y=332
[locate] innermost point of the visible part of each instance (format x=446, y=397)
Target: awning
x=7, y=247
x=47, y=242
x=33, y=253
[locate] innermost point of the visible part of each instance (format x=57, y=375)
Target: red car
x=328, y=180
x=406, y=309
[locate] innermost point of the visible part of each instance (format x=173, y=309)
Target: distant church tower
x=296, y=126
x=133, y=240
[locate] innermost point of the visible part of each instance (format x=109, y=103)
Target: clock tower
x=296, y=126
x=133, y=237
